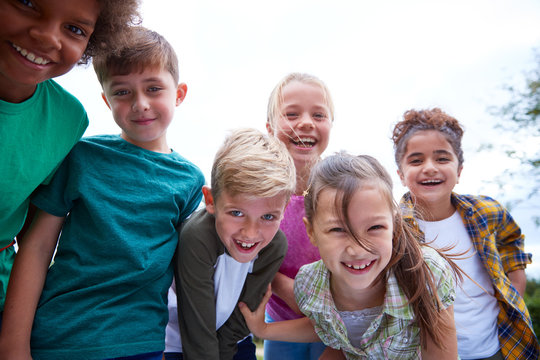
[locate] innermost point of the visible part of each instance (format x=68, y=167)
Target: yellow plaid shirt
x=500, y=244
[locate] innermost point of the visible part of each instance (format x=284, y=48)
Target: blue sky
x=379, y=59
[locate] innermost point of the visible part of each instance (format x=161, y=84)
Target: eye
x=291, y=115
x=154, y=88
x=76, y=30
x=415, y=162
x=236, y=213
x=27, y=3
x=319, y=116
x=268, y=217
x=376, y=227
x=120, y=92
x=443, y=159
x=337, y=230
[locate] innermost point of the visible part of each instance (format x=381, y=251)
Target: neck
x=302, y=177
x=16, y=94
x=436, y=211
x=347, y=299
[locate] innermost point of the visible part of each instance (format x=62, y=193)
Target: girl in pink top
x=300, y=114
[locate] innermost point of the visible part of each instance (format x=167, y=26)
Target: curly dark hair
x=418, y=120
x=109, y=31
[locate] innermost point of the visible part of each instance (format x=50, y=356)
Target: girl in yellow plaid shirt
x=377, y=292
x=491, y=318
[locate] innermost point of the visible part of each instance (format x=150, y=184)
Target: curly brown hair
x=418, y=120
x=109, y=32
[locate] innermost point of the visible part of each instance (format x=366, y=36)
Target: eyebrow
x=438, y=152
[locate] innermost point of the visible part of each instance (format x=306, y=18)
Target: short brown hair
x=144, y=48
x=115, y=17
x=418, y=120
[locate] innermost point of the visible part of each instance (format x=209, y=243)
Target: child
x=41, y=122
x=117, y=200
x=300, y=114
x=232, y=249
x=377, y=293
x=492, y=320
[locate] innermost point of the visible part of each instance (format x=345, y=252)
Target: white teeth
x=357, y=267
x=31, y=56
x=307, y=142
x=245, y=245
x=431, y=181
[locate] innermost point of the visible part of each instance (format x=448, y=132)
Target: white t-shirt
x=475, y=308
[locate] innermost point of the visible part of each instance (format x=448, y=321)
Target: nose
x=354, y=249
x=306, y=122
x=47, y=34
x=140, y=103
x=429, y=167
x=250, y=230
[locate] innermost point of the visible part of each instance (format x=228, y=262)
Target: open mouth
x=306, y=142
x=31, y=56
x=359, y=267
x=431, y=182
x=245, y=246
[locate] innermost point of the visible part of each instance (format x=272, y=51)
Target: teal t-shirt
x=105, y=295
x=35, y=136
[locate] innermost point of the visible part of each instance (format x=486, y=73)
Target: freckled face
x=41, y=39
x=247, y=224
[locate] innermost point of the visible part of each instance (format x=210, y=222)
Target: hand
x=332, y=354
x=255, y=319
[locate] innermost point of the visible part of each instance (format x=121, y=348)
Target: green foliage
x=520, y=120
x=532, y=299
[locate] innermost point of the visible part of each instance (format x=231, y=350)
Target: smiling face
x=430, y=169
x=39, y=40
x=354, y=270
x=304, y=123
x=245, y=224
x=143, y=105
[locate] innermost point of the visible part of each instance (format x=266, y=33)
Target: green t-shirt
x=35, y=136
x=105, y=295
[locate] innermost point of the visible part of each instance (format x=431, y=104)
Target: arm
x=519, y=280
x=332, y=354
x=297, y=330
x=196, y=256
x=282, y=286
x=26, y=283
x=431, y=351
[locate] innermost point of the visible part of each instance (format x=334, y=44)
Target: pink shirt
x=299, y=253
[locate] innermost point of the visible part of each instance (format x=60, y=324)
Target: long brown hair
x=346, y=174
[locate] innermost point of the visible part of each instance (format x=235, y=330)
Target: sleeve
x=194, y=196
x=58, y=196
x=264, y=268
x=510, y=242
x=443, y=275
x=196, y=255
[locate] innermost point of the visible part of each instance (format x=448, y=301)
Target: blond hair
x=276, y=96
x=250, y=162
x=144, y=49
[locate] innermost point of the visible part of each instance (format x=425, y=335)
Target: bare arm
x=332, y=354
x=282, y=286
x=26, y=283
x=519, y=280
x=297, y=330
x=450, y=341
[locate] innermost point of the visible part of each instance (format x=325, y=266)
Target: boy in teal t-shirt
x=117, y=201
x=40, y=121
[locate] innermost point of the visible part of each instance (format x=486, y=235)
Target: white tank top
x=475, y=310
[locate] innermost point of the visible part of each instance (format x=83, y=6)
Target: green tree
x=520, y=121
x=532, y=299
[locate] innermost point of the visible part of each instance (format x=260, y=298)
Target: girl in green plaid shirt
x=491, y=318
x=377, y=292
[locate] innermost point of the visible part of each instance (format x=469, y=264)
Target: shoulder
x=478, y=202
x=198, y=233
x=56, y=93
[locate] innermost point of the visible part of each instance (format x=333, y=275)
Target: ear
x=106, y=101
x=309, y=230
x=459, y=173
x=181, y=92
x=269, y=128
x=401, y=177
x=208, y=199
